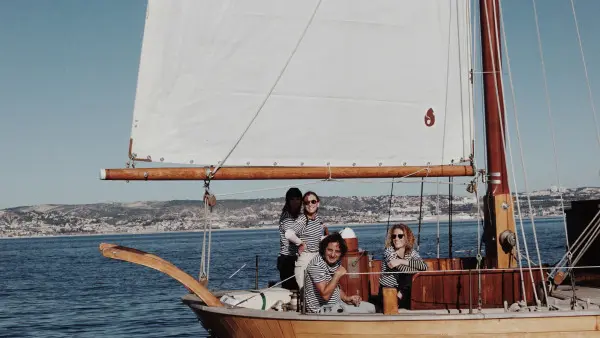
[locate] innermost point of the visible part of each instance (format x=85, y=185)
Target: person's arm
x=299, y=224
x=291, y=236
x=325, y=288
x=416, y=262
x=350, y=299
x=293, y=228
x=391, y=258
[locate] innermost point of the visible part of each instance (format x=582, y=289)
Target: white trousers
x=300, y=267
x=343, y=308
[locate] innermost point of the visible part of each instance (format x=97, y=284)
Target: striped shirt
x=287, y=222
x=311, y=232
x=415, y=264
x=319, y=271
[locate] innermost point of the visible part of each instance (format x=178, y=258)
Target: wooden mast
x=498, y=204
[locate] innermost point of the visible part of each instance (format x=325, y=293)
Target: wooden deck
x=586, y=296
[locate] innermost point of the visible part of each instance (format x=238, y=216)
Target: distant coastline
x=142, y=217
x=255, y=228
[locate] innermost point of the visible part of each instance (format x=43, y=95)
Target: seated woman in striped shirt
x=307, y=236
x=322, y=289
x=399, y=256
x=288, y=251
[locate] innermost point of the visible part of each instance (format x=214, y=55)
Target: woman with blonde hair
x=400, y=262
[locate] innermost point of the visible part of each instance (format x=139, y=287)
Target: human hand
x=355, y=300
x=301, y=248
x=394, y=263
x=341, y=271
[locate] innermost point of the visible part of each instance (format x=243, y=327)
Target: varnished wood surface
x=547, y=324
x=152, y=261
x=281, y=173
x=460, y=289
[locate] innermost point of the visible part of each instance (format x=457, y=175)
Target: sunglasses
x=311, y=202
x=400, y=236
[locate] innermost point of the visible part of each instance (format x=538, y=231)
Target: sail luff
x=282, y=173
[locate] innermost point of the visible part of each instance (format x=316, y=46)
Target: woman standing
x=288, y=251
x=399, y=256
x=308, y=236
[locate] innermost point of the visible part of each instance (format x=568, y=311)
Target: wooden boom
x=283, y=173
x=152, y=261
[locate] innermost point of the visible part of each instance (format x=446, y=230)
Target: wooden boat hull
x=224, y=322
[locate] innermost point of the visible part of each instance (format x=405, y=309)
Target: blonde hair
x=410, y=238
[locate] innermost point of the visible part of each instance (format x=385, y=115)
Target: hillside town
x=189, y=215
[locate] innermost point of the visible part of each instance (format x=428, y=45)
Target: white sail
x=338, y=82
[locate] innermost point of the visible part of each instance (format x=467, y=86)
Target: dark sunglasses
x=400, y=236
x=311, y=202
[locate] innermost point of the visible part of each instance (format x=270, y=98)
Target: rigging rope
x=450, y=197
x=511, y=85
x=445, y=124
x=420, y=216
x=221, y=163
x=203, y=273
x=389, y=209
x=395, y=180
x=591, y=238
x=205, y=258
x=587, y=77
x=421, y=212
x=474, y=34
x=479, y=236
x=589, y=233
x=437, y=213
x=550, y=118
x=459, y=270
x=522, y=157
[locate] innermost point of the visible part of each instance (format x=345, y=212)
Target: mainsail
x=305, y=83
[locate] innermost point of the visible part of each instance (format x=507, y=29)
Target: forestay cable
x=550, y=118
x=587, y=78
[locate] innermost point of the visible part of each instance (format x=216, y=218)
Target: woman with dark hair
x=308, y=236
x=400, y=262
x=288, y=251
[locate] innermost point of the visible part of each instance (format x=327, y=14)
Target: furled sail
x=306, y=82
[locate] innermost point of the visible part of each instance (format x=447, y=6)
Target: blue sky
x=68, y=72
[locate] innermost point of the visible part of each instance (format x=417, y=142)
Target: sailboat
x=342, y=89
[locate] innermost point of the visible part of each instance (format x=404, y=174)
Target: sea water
x=64, y=287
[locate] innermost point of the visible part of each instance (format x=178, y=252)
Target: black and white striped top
x=311, y=232
x=319, y=271
x=287, y=222
x=415, y=264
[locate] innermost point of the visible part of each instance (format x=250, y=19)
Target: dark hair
x=333, y=237
x=311, y=193
x=306, y=194
x=291, y=193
